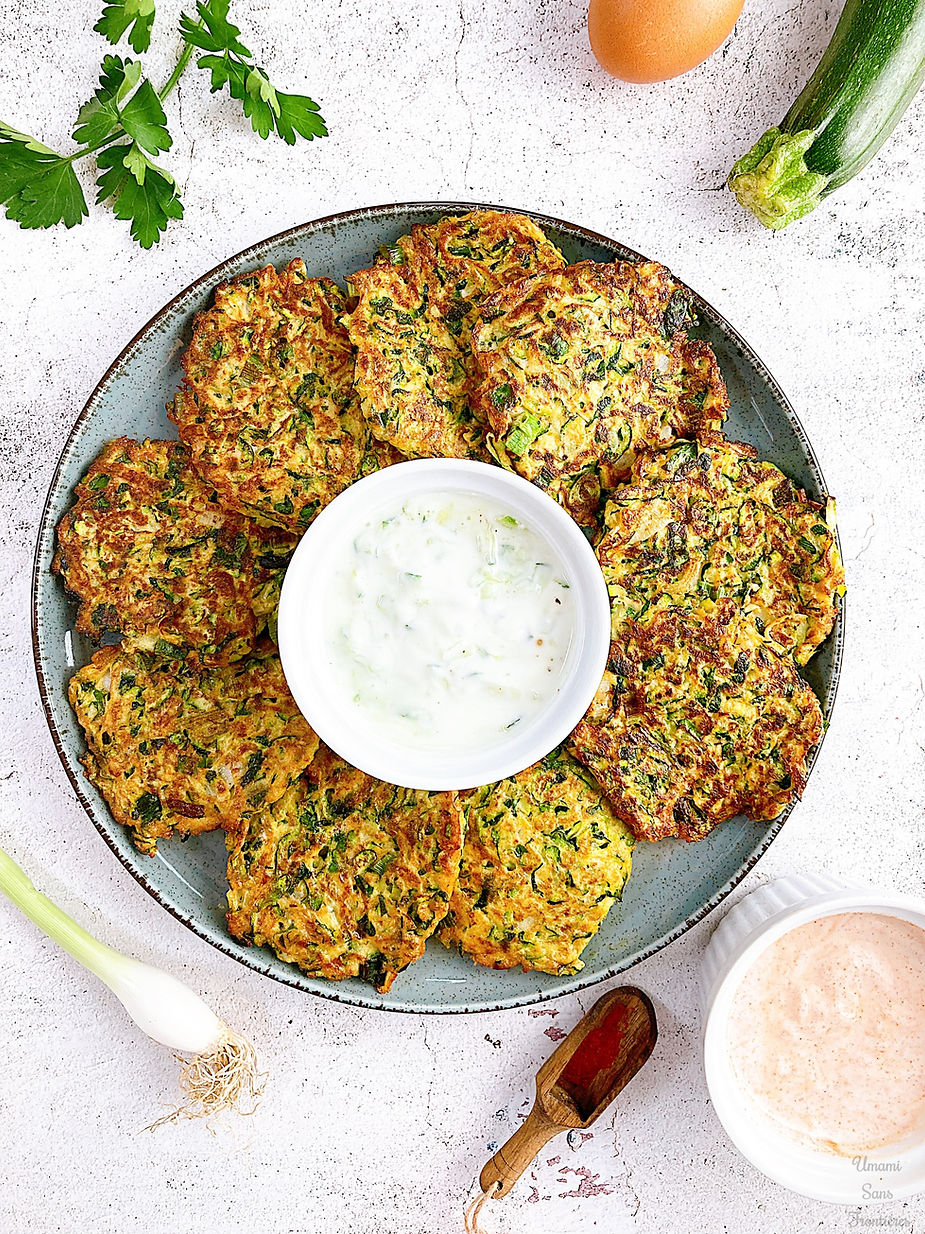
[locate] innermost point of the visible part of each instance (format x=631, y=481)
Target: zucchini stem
x=865, y=80
x=773, y=181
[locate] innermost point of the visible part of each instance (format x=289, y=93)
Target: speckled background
x=378, y=1123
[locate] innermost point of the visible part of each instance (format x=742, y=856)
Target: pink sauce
x=826, y=1033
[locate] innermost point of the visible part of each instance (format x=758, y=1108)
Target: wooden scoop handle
x=512, y=1158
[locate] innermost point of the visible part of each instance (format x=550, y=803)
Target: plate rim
x=332, y=990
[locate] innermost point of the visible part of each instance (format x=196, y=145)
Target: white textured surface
x=378, y=1123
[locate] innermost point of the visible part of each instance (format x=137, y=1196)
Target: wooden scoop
x=575, y=1085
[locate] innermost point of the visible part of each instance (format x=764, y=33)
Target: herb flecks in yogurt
x=448, y=622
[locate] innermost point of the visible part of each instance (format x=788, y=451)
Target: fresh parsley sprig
x=231, y=65
x=124, y=124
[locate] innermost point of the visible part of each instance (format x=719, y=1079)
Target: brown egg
x=652, y=40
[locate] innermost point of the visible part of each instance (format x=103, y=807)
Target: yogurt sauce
x=448, y=622
x=827, y=1032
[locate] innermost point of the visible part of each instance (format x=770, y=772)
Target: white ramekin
x=301, y=638
x=756, y=922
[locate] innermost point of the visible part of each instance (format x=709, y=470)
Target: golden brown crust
x=268, y=408
x=581, y=368
x=412, y=323
x=472, y=339
x=689, y=728
x=150, y=553
x=707, y=520
x=543, y=861
x=345, y=876
x=178, y=751
x=722, y=578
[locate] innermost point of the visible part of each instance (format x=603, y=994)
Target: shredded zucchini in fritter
x=413, y=321
x=582, y=368
x=543, y=861
x=345, y=875
x=267, y=408
x=722, y=578
x=151, y=554
x=177, y=750
x=706, y=521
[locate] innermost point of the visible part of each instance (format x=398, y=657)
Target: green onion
x=524, y=433
x=252, y=369
x=223, y=1071
x=392, y=253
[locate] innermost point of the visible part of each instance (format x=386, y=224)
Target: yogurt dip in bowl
x=443, y=624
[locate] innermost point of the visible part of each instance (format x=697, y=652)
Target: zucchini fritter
x=690, y=728
x=150, y=554
x=268, y=408
x=543, y=860
x=721, y=576
x=703, y=521
x=412, y=325
x=581, y=368
x=175, y=750
x=345, y=875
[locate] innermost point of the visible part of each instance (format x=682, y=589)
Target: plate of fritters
x=437, y=330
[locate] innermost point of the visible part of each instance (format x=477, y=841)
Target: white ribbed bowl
x=752, y=925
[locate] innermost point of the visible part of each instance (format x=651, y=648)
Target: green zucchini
x=864, y=82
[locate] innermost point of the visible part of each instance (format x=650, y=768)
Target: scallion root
x=222, y=1077
x=219, y=1081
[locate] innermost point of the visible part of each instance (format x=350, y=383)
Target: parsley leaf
x=261, y=106
x=250, y=85
x=119, y=15
x=100, y=116
x=37, y=186
x=298, y=115
x=114, y=106
x=140, y=191
x=231, y=64
x=219, y=33
x=144, y=120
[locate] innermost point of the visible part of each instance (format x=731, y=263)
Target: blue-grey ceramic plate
x=673, y=884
